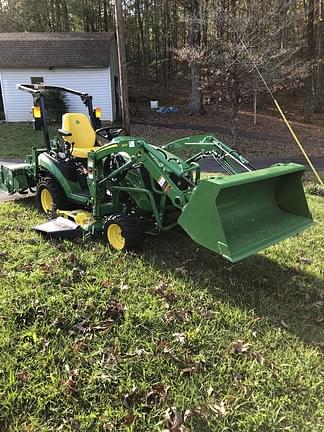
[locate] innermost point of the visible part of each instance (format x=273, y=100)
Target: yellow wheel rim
x=115, y=237
x=46, y=200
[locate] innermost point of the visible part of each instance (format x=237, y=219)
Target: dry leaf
x=319, y=344
x=173, y=419
x=210, y=391
x=70, y=385
x=81, y=327
x=159, y=392
x=182, y=271
x=218, y=408
x=165, y=347
x=115, y=311
x=22, y=377
x=180, y=337
x=198, y=412
x=239, y=347
x=129, y=419
x=258, y=357
x=106, y=283
x=132, y=397
x=103, y=325
x=198, y=367
x=140, y=352
x=285, y=325
x=123, y=287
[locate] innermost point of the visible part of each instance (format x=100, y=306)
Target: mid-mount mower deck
x=126, y=187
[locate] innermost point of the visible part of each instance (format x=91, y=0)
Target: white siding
x=94, y=81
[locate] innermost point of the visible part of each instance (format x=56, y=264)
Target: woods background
x=199, y=44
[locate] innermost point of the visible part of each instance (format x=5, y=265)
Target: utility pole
x=122, y=65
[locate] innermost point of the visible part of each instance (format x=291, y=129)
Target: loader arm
x=235, y=215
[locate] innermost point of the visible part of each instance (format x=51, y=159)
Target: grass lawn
x=174, y=339
x=17, y=139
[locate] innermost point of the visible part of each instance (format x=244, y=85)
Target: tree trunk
x=309, y=57
x=236, y=101
x=195, y=104
x=320, y=56
x=65, y=17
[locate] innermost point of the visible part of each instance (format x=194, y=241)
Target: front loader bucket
x=239, y=215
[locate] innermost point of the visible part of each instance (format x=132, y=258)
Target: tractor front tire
x=49, y=196
x=124, y=232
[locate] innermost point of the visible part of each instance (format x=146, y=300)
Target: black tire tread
x=132, y=229
x=56, y=191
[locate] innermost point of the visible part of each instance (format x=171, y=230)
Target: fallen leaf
x=70, y=385
x=258, y=357
x=317, y=305
x=198, y=367
x=210, y=391
x=305, y=260
x=22, y=377
x=123, y=287
x=103, y=325
x=140, y=352
x=81, y=327
x=132, y=397
x=159, y=392
x=239, y=347
x=105, y=283
x=198, y=412
x=218, y=408
x=173, y=419
x=180, y=337
x=284, y=324
x=115, y=311
x=181, y=271
x=180, y=314
x=319, y=344
x=165, y=347
x=129, y=419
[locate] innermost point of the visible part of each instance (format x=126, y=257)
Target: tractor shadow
x=282, y=294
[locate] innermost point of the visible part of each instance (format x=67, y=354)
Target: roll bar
x=38, y=91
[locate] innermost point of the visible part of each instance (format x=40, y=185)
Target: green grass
x=94, y=340
x=17, y=139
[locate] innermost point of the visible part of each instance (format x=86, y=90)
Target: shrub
x=56, y=105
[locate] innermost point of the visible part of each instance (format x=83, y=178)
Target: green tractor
x=92, y=181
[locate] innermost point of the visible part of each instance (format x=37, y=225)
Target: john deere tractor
x=92, y=181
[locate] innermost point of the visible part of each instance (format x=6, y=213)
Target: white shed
x=83, y=61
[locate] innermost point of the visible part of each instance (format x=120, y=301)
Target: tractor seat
x=79, y=132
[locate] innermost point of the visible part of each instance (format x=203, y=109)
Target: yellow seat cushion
x=83, y=136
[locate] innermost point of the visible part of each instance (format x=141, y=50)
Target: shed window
x=37, y=80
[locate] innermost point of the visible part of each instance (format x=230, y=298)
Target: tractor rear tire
x=124, y=232
x=50, y=196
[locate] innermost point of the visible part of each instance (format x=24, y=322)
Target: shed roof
x=46, y=50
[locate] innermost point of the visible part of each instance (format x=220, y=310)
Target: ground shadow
x=288, y=297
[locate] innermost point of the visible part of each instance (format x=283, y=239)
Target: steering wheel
x=108, y=133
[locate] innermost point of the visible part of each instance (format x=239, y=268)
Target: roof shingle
x=53, y=50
